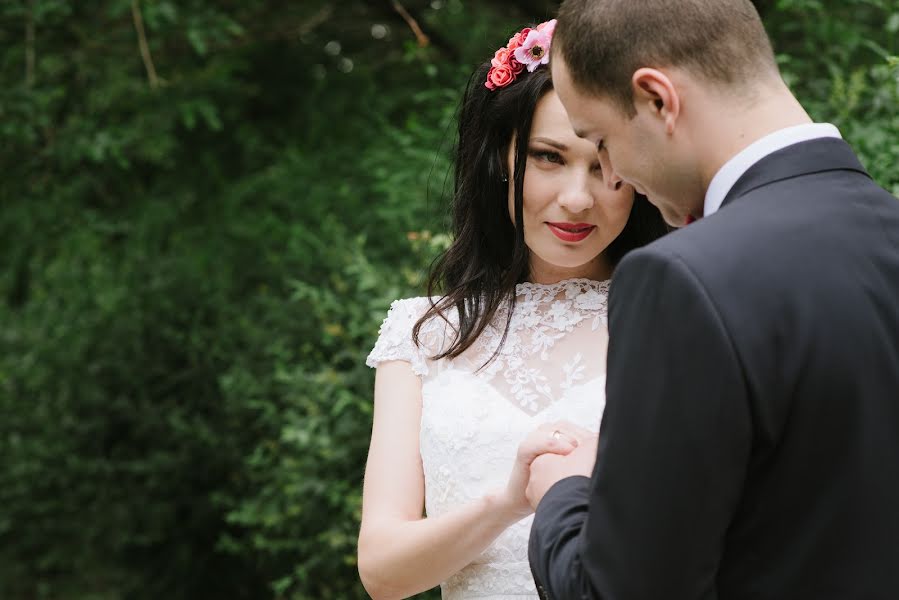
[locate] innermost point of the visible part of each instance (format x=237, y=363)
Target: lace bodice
x=550, y=367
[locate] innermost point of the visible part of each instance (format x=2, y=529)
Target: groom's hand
x=547, y=469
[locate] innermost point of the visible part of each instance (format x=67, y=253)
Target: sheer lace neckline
x=570, y=287
x=549, y=341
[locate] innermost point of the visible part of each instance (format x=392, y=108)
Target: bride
x=513, y=349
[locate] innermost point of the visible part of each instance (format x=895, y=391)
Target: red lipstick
x=571, y=232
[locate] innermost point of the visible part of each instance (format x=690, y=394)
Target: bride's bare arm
x=402, y=553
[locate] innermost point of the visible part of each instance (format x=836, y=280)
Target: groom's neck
x=742, y=121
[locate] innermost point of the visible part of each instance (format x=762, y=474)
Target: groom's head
x=643, y=78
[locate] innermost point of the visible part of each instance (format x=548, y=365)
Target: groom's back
x=805, y=273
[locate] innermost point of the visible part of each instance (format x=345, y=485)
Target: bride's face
x=570, y=214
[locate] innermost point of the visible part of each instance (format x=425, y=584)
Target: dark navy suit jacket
x=750, y=443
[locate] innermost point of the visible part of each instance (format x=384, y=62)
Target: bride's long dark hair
x=488, y=256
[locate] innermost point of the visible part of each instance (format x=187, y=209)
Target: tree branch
x=315, y=20
x=423, y=40
x=142, y=44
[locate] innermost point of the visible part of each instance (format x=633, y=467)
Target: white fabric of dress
x=550, y=367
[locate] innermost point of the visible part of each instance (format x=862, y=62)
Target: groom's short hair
x=604, y=42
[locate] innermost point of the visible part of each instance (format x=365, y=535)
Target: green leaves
x=191, y=275
x=838, y=62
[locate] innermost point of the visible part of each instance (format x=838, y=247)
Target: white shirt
x=733, y=169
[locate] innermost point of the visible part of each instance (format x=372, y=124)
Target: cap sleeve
x=395, y=336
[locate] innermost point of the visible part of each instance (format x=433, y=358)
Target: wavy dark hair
x=478, y=273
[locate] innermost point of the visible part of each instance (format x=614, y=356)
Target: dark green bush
x=193, y=267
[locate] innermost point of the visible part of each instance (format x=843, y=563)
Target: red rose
x=516, y=66
x=516, y=40
x=498, y=77
x=501, y=57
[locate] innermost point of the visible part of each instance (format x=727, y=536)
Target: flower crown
x=529, y=48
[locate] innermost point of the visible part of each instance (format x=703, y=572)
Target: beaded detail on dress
x=550, y=367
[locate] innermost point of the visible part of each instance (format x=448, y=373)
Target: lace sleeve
x=395, y=336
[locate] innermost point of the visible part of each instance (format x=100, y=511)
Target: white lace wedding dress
x=551, y=367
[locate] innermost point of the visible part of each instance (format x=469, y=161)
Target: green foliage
x=841, y=60
x=194, y=265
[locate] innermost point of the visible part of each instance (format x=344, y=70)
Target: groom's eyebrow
x=550, y=142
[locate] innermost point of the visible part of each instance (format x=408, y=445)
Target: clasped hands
x=549, y=454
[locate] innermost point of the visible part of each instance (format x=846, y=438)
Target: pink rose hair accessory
x=534, y=50
x=529, y=48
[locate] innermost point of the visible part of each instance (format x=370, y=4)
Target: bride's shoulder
x=415, y=306
x=396, y=338
x=406, y=312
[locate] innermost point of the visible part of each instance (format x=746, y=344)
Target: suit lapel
x=804, y=158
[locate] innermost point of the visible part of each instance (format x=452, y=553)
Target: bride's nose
x=576, y=196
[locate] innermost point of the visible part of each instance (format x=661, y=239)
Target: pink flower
x=515, y=40
x=501, y=57
x=498, y=77
x=534, y=50
x=527, y=48
x=504, y=58
x=549, y=27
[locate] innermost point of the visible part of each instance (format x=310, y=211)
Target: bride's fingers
x=566, y=435
x=563, y=430
x=539, y=442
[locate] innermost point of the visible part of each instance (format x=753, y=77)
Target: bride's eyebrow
x=550, y=142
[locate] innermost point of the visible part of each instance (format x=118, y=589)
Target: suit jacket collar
x=804, y=158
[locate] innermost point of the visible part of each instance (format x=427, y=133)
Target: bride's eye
x=547, y=156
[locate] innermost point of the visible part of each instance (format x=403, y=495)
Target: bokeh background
x=206, y=208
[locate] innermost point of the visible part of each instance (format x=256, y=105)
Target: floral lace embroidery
x=551, y=367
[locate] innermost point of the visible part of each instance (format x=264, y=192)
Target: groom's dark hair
x=603, y=42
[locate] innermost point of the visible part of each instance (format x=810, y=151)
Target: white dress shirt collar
x=733, y=169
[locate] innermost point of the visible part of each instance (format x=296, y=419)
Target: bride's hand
x=556, y=438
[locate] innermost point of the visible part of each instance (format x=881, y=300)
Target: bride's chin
x=575, y=263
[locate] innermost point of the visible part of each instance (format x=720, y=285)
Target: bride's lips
x=571, y=232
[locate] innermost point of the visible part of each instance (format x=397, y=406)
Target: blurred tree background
x=205, y=211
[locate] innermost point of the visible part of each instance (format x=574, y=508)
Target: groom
x=750, y=443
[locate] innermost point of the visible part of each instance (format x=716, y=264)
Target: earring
x=505, y=179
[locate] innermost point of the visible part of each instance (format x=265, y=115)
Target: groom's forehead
x=592, y=111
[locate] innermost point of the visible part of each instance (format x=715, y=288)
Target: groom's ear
x=655, y=92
